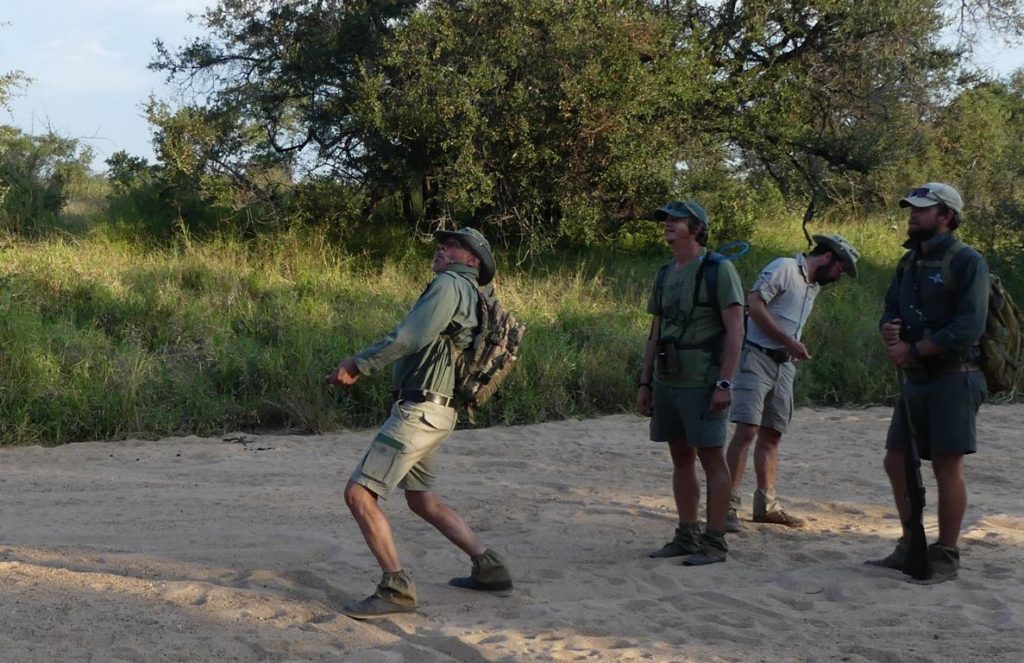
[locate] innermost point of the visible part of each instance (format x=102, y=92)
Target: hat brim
x=661, y=215
x=917, y=201
x=849, y=264
x=487, y=264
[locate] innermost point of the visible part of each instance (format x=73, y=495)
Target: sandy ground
x=190, y=549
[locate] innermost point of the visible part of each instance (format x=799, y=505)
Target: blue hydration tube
x=734, y=250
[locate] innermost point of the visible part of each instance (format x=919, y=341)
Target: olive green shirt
x=421, y=346
x=698, y=366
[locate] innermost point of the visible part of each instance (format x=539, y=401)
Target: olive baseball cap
x=845, y=251
x=933, y=193
x=475, y=241
x=682, y=209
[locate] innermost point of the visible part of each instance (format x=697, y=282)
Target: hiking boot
x=713, y=549
x=897, y=559
x=685, y=542
x=778, y=517
x=395, y=594
x=732, y=522
x=944, y=562
x=489, y=574
x=732, y=518
x=767, y=510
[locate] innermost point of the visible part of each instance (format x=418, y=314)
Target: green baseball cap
x=475, y=241
x=682, y=209
x=933, y=193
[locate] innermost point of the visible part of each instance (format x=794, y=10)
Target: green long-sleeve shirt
x=421, y=346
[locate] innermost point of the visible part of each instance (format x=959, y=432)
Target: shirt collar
x=940, y=241
x=464, y=269
x=801, y=262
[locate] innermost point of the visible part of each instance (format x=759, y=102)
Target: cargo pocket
x=710, y=415
x=380, y=460
x=427, y=416
x=442, y=418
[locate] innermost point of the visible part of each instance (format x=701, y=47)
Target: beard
x=921, y=234
x=822, y=275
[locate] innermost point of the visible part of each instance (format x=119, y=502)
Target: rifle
x=916, y=565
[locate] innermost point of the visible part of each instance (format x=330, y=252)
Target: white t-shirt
x=783, y=286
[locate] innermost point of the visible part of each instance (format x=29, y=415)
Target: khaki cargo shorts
x=762, y=393
x=405, y=451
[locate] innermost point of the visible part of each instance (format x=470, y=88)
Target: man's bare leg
x=427, y=505
x=374, y=525
x=949, y=474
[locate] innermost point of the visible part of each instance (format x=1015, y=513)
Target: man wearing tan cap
x=935, y=313
x=779, y=305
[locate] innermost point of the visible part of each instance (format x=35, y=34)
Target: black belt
x=930, y=371
x=417, y=396
x=778, y=356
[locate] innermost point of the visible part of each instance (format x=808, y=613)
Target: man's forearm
x=759, y=312
x=647, y=369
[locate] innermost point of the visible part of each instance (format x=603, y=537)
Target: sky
x=89, y=58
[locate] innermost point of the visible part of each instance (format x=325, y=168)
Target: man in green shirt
x=405, y=450
x=686, y=380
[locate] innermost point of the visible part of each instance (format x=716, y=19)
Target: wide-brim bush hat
x=475, y=241
x=845, y=251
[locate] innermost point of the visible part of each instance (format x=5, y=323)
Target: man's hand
x=346, y=374
x=891, y=331
x=720, y=399
x=796, y=349
x=645, y=401
x=899, y=353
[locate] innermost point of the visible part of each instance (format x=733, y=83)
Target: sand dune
x=190, y=549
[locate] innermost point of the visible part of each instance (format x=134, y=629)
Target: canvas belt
x=419, y=396
x=778, y=356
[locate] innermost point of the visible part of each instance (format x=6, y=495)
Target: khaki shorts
x=944, y=412
x=762, y=393
x=404, y=452
x=683, y=413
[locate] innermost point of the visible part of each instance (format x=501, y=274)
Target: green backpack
x=482, y=367
x=1001, y=342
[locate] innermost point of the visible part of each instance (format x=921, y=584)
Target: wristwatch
x=724, y=385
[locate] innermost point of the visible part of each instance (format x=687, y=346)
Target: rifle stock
x=917, y=544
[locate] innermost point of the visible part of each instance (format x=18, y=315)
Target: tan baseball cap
x=933, y=193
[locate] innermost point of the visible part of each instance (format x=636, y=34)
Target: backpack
x=1001, y=342
x=482, y=367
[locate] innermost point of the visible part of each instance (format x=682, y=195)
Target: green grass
x=107, y=338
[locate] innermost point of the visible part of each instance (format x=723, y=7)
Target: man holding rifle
x=932, y=329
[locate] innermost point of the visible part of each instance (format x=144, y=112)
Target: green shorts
x=683, y=413
x=944, y=412
x=404, y=452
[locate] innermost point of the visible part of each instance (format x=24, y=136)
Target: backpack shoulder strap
x=709, y=270
x=947, y=264
x=906, y=262
x=659, y=284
